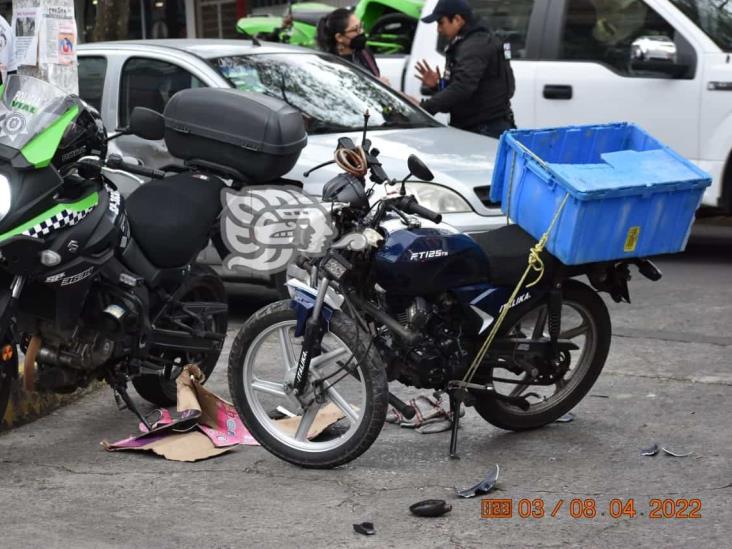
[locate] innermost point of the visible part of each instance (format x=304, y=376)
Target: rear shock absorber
x=554, y=319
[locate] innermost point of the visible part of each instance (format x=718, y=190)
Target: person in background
x=8, y=64
x=341, y=33
x=478, y=82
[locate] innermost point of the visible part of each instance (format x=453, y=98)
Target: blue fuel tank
x=427, y=260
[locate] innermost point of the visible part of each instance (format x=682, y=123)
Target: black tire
x=509, y=417
x=391, y=24
x=8, y=373
x=395, y=23
x=370, y=366
x=204, y=285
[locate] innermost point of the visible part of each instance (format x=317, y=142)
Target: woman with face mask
x=341, y=33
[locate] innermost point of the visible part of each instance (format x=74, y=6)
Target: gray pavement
x=668, y=380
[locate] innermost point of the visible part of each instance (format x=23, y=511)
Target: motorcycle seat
x=507, y=250
x=171, y=219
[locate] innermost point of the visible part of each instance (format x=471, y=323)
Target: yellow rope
x=535, y=264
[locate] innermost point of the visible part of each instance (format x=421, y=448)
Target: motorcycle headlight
x=437, y=198
x=4, y=196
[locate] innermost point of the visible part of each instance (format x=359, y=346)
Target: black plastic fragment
x=651, y=451
x=365, y=528
x=430, y=508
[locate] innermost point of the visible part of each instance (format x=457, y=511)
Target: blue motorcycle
x=401, y=297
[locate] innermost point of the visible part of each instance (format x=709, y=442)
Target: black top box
x=259, y=136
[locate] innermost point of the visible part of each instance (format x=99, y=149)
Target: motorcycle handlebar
x=409, y=204
x=115, y=162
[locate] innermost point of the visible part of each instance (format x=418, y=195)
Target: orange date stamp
x=589, y=508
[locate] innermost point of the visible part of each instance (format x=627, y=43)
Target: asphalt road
x=668, y=380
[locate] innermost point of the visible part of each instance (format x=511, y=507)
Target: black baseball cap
x=448, y=7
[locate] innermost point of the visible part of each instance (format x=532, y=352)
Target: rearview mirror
x=418, y=168
x=656, y=54
x=147, y=124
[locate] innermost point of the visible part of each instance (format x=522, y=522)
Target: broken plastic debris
x=430, y=508
x=566, y=418
x=653, y=450
x=365, y=528
x=483, y=487
x=676, y=454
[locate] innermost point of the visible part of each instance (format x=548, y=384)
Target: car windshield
x=332, y=94
x=28, y=107
x=714, y=17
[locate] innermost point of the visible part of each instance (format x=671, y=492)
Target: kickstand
x=120, y=391
x=455, y=401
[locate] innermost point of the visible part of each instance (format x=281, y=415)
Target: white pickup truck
x=663, y=64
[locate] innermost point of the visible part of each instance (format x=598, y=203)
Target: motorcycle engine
x=67, y=359
x=65, y=364
x=438, y=358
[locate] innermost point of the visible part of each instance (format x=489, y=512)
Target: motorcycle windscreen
x=33, y=117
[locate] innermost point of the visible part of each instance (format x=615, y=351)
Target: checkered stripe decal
x=65, y=218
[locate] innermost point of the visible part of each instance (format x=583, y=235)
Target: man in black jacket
x=478, y=83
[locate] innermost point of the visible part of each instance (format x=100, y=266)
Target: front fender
x=303, y=302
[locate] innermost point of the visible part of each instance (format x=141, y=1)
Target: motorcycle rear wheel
x=205, y=285
x=262, y=363
x=584, y=315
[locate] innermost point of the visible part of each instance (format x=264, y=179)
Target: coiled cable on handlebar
x=352, y=161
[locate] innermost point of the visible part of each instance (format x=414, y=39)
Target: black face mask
x=358, y=42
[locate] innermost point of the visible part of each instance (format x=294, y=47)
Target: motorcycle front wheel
x=585, y=321
x=343, y=407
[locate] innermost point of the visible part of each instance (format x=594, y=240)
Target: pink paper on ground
x=228, y=429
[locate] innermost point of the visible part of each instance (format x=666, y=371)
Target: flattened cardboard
x=218, y=430
x=326, y=416
x=191, y=446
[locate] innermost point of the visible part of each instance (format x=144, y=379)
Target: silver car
x=331, y=94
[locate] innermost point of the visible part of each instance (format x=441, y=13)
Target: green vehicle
x=390, y=24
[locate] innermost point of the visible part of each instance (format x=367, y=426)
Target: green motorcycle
x=390, y=24
x=90, y=288
x=98, y=286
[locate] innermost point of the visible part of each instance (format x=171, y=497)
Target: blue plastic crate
x=630, y=196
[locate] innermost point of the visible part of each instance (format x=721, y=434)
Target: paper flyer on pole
x=25, y=25
x=58, y=36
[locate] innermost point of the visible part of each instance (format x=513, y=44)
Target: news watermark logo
x=265, y=228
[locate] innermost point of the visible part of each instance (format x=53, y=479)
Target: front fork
x=9, y=301
x=311, y=340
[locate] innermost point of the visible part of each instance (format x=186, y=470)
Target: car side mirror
x=147, y=124
x=418, y=168
x=656, y=54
